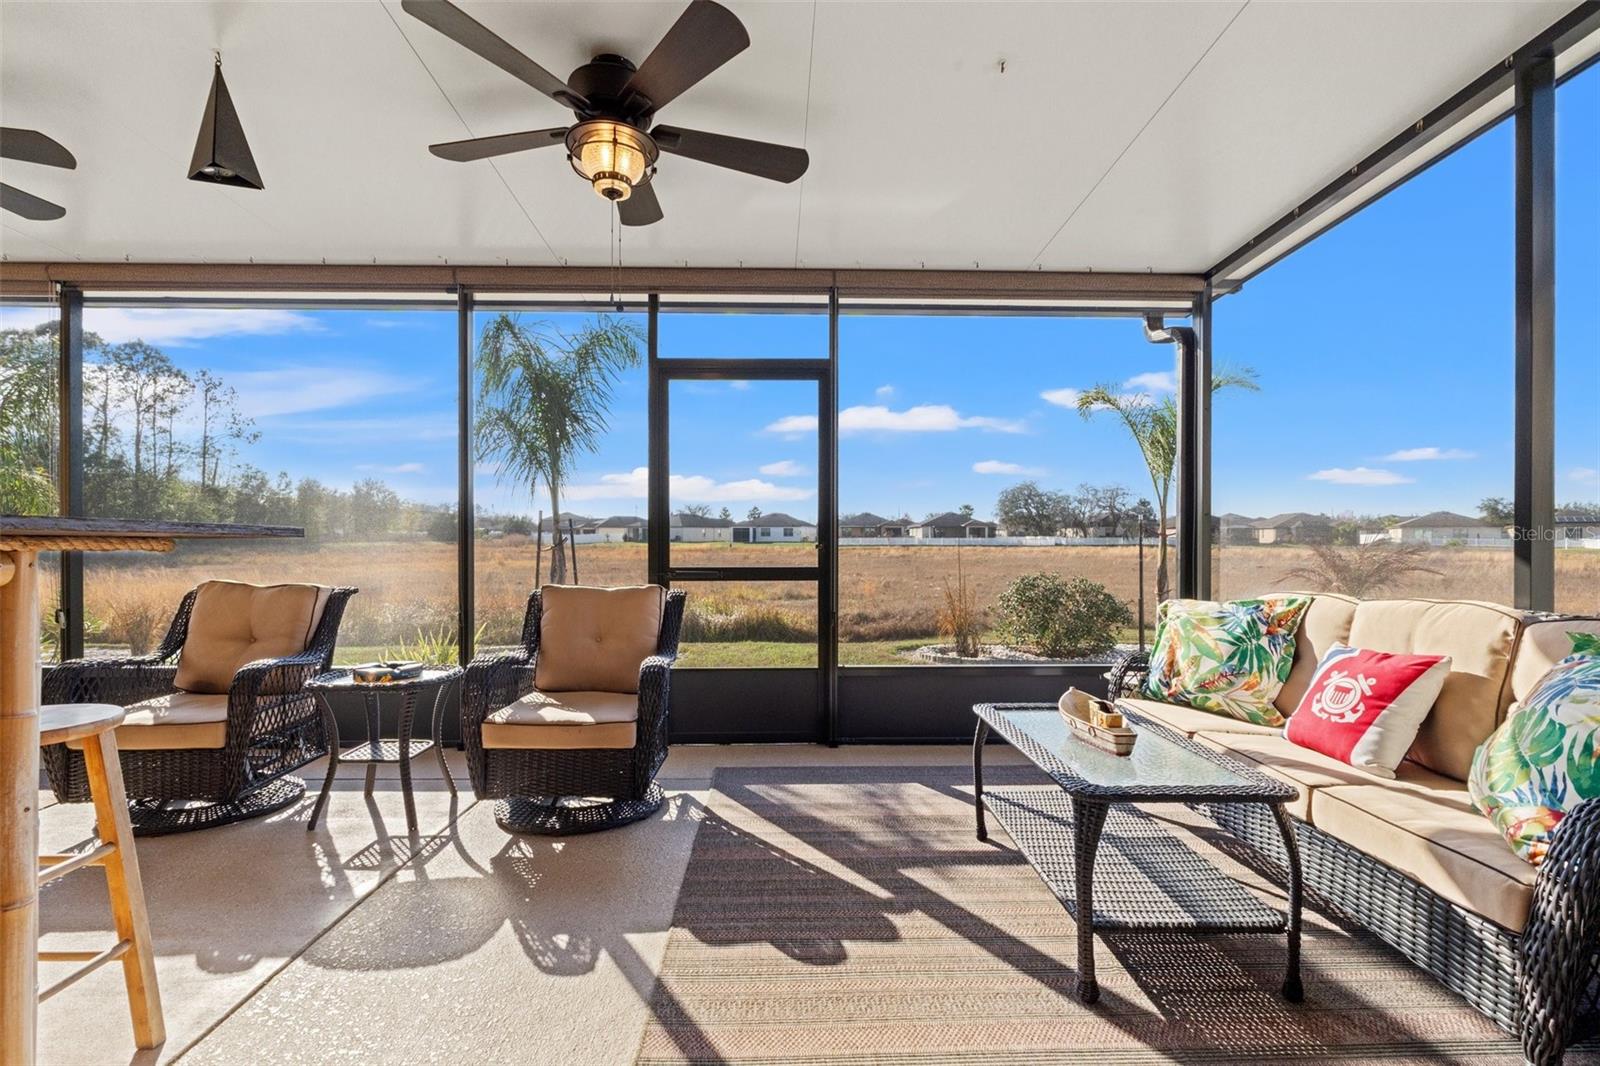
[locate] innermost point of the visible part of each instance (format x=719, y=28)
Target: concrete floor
x=360, y=943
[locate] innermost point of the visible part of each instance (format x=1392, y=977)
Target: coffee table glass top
x=1163, y=764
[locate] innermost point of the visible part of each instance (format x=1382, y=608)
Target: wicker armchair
x=564, y=771
x=272, y=728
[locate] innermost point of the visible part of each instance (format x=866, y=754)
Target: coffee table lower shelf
x=1145, y=878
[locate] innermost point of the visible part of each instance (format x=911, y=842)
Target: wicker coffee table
x=1111, y=865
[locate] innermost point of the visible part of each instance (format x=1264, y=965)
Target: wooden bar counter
x=21, y=541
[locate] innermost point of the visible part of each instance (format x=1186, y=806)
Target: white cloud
x=876, y=418
x=739, y=386
x=398, y=468
x=1062, y=397
x=695, y=488
x=783, y=468
x=1585, y=475
x=996, y=466
x=185, y=325
x=1359, y=475
x=1418, y=455
x=1155, y=381
x=883, y=392
x=294, y=389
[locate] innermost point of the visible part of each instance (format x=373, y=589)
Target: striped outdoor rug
x=850, y=916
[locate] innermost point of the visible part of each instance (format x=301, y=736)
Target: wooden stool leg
x=127, y=890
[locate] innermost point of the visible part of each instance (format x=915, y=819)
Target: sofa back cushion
x=1326, y=623
x=233, y=623
x=1543, y=645
x=1479, y=639
x=594, y=639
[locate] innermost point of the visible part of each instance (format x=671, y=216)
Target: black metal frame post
x=659, y=479
x=69, y=465
x=1204, y=368
x=466, y=510
x=1533, y=585
x=828, y=527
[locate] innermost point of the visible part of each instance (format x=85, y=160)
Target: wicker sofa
x=1411, y=859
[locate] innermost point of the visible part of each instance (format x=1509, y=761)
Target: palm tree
x=543, y=397
x=1153, y=425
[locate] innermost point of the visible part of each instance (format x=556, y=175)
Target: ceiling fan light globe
x=612, y=156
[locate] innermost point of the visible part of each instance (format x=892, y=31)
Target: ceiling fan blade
x=777, y=162
x=31, y=146
x=474, y=36
x=501, y=144
x=642, y=208
x=28, y=205
x=705, y=36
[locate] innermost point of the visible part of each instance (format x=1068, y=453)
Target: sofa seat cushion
x=1188, y=721
x=566, y=720
x=1434, y=837
x=1479, y=639
x=594, y=639
x=1309, y=770
x=233, y=623
x=175, y=721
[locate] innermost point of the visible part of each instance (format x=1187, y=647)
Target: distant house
x=1571, y=527
x=701, y=529
x=865, y=524
x=953, y=525
x=576, y=523
x=1293, y=527
x=1233, y=529
x=1447, y=527
x=773, y=528
x=622, y=528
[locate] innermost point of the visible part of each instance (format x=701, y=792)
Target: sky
x=1383, y=351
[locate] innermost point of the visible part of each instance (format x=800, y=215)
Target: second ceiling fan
x=612, y=145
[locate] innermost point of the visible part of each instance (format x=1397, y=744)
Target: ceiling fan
x=612, y=145
x=31, y=146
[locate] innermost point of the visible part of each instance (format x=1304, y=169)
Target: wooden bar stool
x=95, y=724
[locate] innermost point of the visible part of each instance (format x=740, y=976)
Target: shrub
x=1059, y=618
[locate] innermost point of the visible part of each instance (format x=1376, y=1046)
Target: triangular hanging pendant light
x=221, y=154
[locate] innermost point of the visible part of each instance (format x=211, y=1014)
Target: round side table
x=435, y=681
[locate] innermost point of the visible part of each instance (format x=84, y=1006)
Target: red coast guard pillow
x=1365, y=707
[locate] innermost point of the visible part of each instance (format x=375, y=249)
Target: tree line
x=161, y=442
x=1027, y=510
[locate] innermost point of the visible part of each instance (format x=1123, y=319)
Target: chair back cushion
x=233, y=623
x=594, y=639
x=1479, y=639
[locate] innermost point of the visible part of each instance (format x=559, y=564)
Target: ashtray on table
x=386, y=671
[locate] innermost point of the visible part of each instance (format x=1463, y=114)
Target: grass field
x=888, y=596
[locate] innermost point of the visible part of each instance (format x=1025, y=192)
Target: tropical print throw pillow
x=1544, y=759
x=1227, y=658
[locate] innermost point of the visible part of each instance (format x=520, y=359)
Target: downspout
x=1190, y=508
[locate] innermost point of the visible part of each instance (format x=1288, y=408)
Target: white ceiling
x=1120, y=136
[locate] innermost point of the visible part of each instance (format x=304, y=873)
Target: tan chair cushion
x=566, y=720
x=593, y=639
x=1435, y=837
x=1479, y=638
x=1309, y=770
x=1544, y=644
x=1189, y=721
x=233, y=623
x=1325, y=623
x=176, y=720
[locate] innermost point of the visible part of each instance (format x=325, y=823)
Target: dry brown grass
x=886, y=593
